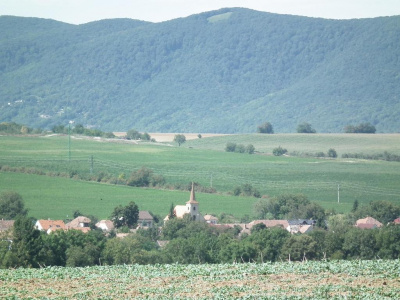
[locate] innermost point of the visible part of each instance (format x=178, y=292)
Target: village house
x=396, y=221
x=50, y=225
x=292, y=226
x=145, y=220
x=191, y=209
x=368, y=223
x=211, y=219
x=301, y=226
x=80, y=223
x=105, y=225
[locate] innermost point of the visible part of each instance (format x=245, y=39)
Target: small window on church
x=194, y=208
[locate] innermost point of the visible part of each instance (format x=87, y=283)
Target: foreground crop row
x=338, y=279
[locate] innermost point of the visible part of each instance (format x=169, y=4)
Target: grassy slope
x=316, y=178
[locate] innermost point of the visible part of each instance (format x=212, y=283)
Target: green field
x=310, y=280
x=203, y=161
x=55, y=198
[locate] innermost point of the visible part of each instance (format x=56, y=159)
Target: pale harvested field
x=169, y=137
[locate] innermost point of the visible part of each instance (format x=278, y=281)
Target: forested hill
x=223, y=71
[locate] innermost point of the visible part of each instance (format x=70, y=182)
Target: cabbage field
x=378, y=279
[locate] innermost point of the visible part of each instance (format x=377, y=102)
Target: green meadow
x=203, y=161
x=57, y=198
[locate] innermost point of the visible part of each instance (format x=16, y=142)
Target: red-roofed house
x=397, y=221
x=80, y=223
x=50, y=225
x=368, y=223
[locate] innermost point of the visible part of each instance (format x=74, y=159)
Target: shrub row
x=239, y=148
x=379, y=156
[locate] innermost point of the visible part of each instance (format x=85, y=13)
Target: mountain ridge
x=222, y=71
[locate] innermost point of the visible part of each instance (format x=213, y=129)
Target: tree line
x=306, y=127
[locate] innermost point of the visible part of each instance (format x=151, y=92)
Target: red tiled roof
x=369, y=220
x=53, y=224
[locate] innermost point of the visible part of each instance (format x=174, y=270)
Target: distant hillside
x=223, y=71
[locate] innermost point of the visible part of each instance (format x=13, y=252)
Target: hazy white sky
x=83, y=11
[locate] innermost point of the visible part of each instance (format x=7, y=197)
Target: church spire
x=192, y=195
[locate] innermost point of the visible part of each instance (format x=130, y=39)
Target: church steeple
x=192, y=196
x=192, y=206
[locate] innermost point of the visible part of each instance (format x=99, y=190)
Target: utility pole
x=91, y=164
x=69, y=141
x=338, y=193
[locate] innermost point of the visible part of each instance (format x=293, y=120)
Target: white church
x=191, y=208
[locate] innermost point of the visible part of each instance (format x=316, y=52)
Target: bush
x=246, y=190
x=250, y=149
x=305, y=128
x=230, y=147
x=233, y=147
x=332, y=153
x=145, y=177
x=279, y=151
x=360, y=128
x=265, y=128
x=133, y=134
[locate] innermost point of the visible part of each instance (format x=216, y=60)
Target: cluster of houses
x=191, y=209
x=82, y=223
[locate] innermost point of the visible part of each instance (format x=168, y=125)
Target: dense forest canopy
x=222, y=71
